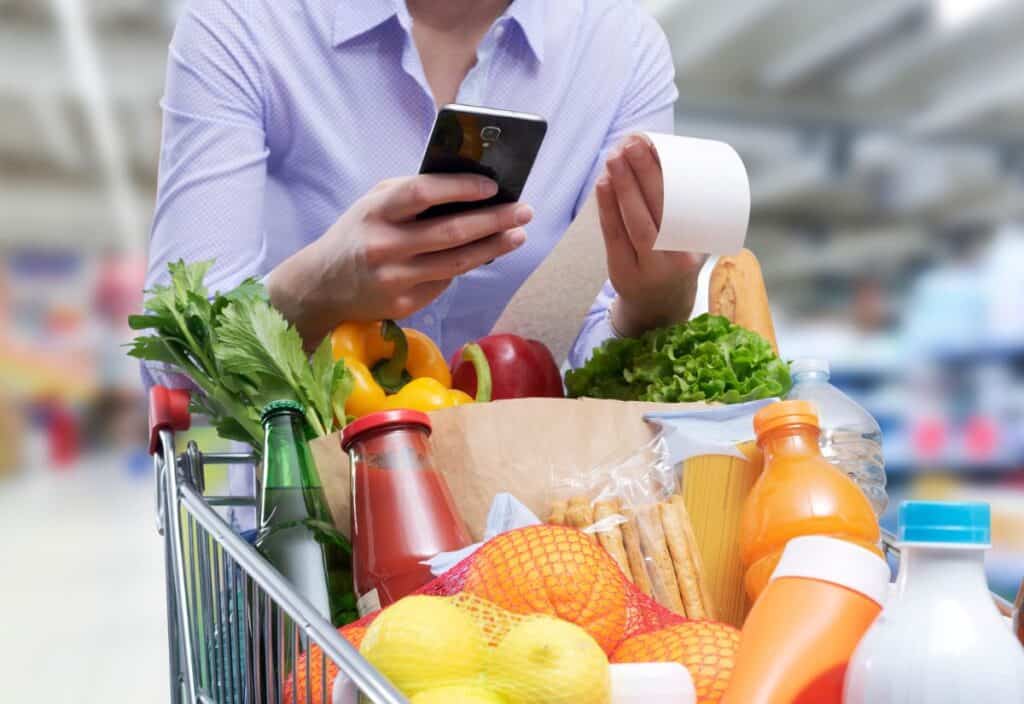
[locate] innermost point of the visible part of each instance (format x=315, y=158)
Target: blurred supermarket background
x=885, y=142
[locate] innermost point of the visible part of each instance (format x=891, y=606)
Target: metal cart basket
x=235, y=625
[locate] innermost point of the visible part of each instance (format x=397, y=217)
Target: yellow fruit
x=545, y=660
x=425, y=642
x=457, y=695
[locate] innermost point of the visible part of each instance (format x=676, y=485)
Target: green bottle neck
x=287, y=461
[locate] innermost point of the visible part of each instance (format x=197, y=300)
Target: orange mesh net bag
x=533, y=616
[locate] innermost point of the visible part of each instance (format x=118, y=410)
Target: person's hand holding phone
x=654, y=288
x=378, y=261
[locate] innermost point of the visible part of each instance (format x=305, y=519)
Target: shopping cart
x=235, y=625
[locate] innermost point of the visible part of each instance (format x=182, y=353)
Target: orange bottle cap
x=784, y=413
x=837, y=561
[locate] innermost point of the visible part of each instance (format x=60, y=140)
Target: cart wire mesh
x=238, y=633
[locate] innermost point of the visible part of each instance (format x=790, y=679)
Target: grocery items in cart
x=800, y=634
x=706, y=649
x=296, y=530
x=736, y=291
x=631, y=507
x=402, y=511
x=706, y=359
x=552, y=609
x=850, y=437
x=652, y=683
x=394, y=368
x=798, y=493
x=240, y=352
x=715, y=489
x=940, y=638
x=519, y=368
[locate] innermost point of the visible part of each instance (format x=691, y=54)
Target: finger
x=646, y=166
x=405, y=198
x=635, y=214
x=453, y=231
x=454, y=262
x=616, y=242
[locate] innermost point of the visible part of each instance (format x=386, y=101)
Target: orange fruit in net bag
x=706, y=648
x=556, y=571
x=317, y=665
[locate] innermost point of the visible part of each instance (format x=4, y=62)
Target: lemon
x=545, y=660
x=424, y=642
x=457, y=695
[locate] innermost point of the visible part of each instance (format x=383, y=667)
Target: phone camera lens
x=490, y=133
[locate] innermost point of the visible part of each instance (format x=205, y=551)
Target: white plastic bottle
x=850, y=436
x=940, y=638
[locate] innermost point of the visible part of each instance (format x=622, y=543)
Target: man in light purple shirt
x=293, y=130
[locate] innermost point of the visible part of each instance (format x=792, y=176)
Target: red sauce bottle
x=402, y=510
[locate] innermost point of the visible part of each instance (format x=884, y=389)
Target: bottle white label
x=368, y=603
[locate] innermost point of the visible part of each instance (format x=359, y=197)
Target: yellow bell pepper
x=396, y=368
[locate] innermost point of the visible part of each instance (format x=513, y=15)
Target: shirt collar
x=529, y=15
x=354, y=18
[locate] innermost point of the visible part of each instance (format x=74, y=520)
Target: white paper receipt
x=707, y=195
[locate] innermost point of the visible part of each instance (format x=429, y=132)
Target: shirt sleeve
x=213, y=154
x=213, y=151
x=647, y=105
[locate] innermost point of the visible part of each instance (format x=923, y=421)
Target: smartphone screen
x=499, y=144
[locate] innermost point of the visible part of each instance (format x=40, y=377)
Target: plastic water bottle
x=940, y=639
x=850, y=438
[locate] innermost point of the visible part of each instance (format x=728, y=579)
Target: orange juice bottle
x=798, y=493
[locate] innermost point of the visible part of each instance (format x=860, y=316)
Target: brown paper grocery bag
x=518, y=446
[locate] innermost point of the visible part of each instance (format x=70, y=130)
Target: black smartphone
x=499, y=144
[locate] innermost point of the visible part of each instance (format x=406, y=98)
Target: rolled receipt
x=707, y=195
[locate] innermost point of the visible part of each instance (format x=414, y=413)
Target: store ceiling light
x=956, y=13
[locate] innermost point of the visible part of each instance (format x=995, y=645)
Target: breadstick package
x=632, y=507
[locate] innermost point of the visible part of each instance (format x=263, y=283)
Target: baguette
x=737, y=291
x=637, y=564
x=611, y=539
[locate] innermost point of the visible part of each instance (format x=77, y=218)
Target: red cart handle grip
x=168, y=410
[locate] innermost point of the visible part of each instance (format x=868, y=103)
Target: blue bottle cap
x=962, y=523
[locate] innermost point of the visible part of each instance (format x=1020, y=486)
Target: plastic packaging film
x=631, y=506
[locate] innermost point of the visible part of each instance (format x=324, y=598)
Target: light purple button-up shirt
x=279, y=114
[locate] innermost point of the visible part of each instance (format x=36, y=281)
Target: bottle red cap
x=382, y=420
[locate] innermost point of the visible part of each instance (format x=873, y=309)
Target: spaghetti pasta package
x=715, y=488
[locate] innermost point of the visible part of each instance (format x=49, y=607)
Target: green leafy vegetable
x=240, y=352
x=706, y=359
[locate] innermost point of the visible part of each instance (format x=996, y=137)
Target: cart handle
x=168, y=410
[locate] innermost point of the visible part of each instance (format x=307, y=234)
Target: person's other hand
x=654, y=288
x=378, y=261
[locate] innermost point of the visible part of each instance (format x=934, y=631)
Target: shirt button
x=499, y=31
x=429, y=320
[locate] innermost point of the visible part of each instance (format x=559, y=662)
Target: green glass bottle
x=297, y=534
